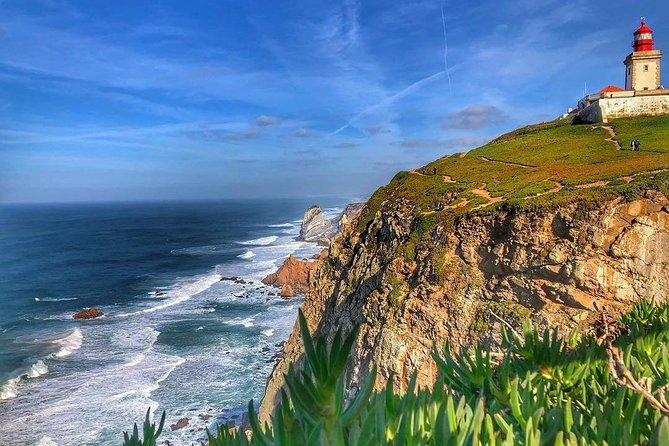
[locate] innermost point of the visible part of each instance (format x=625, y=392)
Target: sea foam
x=9, y=389
x=54, y=299
x=68, y=344
x=262, y=241
x=179, y=293
x=247, y=254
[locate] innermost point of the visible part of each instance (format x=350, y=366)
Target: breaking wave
x=68, y=344
x=262, y=241
x=247, y=254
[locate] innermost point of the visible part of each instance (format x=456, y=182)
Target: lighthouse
x=642, y=67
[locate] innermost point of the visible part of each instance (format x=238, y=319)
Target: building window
x=645, y=68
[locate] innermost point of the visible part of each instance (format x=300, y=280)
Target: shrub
x=608, y=387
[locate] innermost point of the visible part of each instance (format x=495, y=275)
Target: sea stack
x=315, y=227
x=292, y=278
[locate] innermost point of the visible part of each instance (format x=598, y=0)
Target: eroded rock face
x=315, y=227
x=349, y=213
x=293, y=274
x=287, y=291
x=554, y=267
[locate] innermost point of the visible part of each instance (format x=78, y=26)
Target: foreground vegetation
x=607, y=387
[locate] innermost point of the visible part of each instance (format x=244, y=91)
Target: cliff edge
x=550, y=222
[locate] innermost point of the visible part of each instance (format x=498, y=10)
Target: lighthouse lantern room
x=642, y=67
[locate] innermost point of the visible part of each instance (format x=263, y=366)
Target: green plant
x=150, y=432
x=604, y=388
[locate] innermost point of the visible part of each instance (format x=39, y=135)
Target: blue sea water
x=174, y=336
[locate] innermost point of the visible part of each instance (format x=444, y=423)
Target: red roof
x=643, y=29
x=610, y=89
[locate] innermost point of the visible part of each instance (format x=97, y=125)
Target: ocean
x=174, y=336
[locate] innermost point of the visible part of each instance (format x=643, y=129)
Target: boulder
x=287, y=291
x=183, y=422
x=88, y=313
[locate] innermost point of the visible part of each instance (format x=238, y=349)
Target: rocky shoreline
x=291, y=280
x=293, y=276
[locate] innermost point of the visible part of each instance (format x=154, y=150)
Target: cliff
x=559, y=225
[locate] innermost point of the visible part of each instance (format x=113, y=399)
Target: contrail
x=408, y=90
x=448, y=74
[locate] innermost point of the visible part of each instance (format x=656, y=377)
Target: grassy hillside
x=538, y=165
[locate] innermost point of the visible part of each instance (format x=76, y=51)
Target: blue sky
x=136, y=100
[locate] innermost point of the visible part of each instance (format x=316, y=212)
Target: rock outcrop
x=287, y=291
x=183, y=422
x=349, y=213
x=292, y=277
x=315, y=227
x=88, y=313
x=555, y=265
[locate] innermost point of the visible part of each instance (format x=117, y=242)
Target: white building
x=643, y=94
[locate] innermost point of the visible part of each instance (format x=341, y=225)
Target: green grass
x=556, y=152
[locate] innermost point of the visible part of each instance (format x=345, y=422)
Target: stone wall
x=623, y=107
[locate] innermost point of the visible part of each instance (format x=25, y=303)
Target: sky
x=161, y=100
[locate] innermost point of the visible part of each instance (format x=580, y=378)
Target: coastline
x=165, y=342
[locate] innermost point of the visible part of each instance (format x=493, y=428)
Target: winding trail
x=508, y=163
x=446, y=178
x=600, y=183
x=555, y=189
x=483, y=192
x=613, y=136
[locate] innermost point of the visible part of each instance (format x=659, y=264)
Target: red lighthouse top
x=643, y=38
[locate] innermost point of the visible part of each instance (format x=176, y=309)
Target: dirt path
x=556, y=188
x=458, y=205
x=613, y=136
x=446, y=178
x=483, y=192
x=600, y=183
x=508, y=163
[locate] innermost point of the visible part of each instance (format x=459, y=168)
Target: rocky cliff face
x=556, y=266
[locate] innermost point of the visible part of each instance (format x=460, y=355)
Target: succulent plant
x=540, y=389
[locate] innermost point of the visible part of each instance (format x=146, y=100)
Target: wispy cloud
x=54, y=135
x=236, y=136
x=267, y=120
x=303, y=133
x=473, y=117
